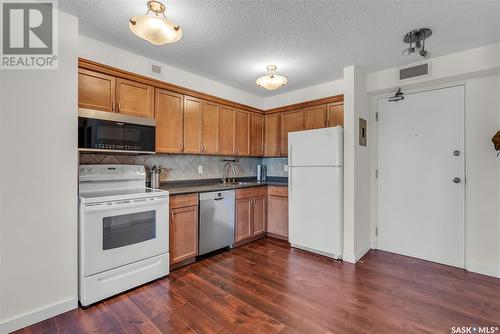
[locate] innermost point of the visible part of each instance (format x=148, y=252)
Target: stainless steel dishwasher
x=216, y=223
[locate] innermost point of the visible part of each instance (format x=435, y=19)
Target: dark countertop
x=208, y=185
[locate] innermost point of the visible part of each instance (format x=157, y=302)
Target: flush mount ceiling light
x=271, y=81
x=154, y=26
x=416, y=40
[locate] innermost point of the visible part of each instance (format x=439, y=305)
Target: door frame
x=377, y=194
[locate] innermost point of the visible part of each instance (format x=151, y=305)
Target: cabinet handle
x=182, y=147
x=171, y=215
x=117, y=106
x=113, y=106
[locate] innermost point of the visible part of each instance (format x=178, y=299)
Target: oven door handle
x=125, y=204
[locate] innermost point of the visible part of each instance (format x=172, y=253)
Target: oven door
x=113, y=234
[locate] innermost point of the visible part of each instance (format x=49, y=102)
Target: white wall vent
x=156, y=69
x=415, y=71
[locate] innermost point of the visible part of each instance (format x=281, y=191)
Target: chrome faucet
x=224, y=172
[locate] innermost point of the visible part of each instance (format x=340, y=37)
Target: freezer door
x=321, y=147
x=316, y=209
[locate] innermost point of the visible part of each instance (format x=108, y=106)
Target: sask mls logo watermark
x=29, y=34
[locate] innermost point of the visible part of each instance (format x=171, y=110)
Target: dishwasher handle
x=218, y=198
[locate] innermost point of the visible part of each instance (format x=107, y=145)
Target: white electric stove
x=123, y=231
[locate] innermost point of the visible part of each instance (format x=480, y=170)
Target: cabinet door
x=272, y=135
x=315, y=117
x=210, y=131
x=256, y=135
x=277, y=216
x=134, y=98
x=169, y=118
x=183, y=233
x=192, y=124
x=335, y=114
x=290, y=121
x=259, y=215
x=96, y=91
x=242, y=132
x=243, y=228
x=226, y=130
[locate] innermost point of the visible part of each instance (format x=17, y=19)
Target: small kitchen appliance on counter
x=261, y=173
x=123, y=231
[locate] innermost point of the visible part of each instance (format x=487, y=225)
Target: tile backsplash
x=276, y=166
x=185, y=167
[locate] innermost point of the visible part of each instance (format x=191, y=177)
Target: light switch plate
x=285, y=168
x=200, y=169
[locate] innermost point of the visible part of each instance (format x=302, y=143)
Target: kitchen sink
x=232, y=184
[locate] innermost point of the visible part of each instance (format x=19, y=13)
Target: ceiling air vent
x=415, y=71
x=156, y=70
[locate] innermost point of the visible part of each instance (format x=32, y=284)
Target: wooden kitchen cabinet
x=183, y=228
x=242, y=132
x=272, y=135
x=193, y=121
x=335, y=114
x=134, y=98
x=210, y=128
x=226, y=130
x=256, y=135
x=169, y=115
x=277, y=212
x=290, y=121
x=315, y=117
x=243, y=222
x=250, y=213
x=96, y=91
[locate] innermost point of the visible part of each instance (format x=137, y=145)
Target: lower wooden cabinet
x=250, y=213
x=277, y=211
x=183, y=227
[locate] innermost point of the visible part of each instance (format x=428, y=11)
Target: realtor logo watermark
x=29, y=34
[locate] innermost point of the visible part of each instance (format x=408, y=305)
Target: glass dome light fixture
x=154, y=26
x=271, y=81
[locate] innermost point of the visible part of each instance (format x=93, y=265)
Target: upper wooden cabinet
x=272, y=135
x=96, y=91
x=256, y=135
x=335, y=114
x=242, y=132
x=290, y=121
x=315, y=117
x=210, y=128
x=103, y=92
x=134, y=98
x=193, y=121
x=169, y=115
x=227, y=144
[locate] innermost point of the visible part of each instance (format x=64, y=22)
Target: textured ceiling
x=310, y=41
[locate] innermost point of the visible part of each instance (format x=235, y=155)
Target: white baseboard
x=353, y=258
x=27, y=319
x=484, y=269
x=360, y=253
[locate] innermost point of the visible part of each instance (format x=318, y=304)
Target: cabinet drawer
x=250, y=192
x=181, y=201
x=280, y=191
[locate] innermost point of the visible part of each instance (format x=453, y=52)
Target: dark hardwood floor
x=268, y=287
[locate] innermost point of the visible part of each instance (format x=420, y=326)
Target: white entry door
x=422, y=176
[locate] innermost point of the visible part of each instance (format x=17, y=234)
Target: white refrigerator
x=315, y=190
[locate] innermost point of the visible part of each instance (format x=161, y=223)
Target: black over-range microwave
x=100, y=131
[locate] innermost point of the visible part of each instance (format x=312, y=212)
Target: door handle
x=457, y=180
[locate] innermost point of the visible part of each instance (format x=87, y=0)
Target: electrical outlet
x=200, y=169
x=285, y=168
